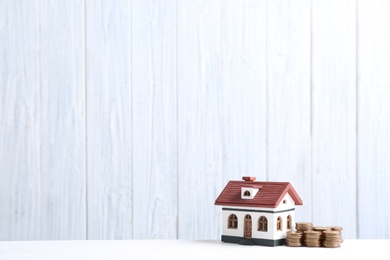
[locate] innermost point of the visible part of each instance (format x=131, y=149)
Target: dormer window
x=248, y=193
x=250, y=188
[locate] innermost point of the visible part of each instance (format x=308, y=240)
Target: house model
x=257, y=213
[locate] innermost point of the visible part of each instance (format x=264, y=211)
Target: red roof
x=269, y=195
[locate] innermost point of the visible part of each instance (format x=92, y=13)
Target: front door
x=247, y=226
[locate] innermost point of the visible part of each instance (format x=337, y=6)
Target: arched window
x=232, y=221
x=279, y=224
x=289, y=222
x=247, y=193
x=262, y=224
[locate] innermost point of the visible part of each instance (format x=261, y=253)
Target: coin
x=331, y=238
x=303, y=226
x=312, y=238
x=293, y=238
x=321, y=228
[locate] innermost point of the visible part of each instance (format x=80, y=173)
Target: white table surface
x=184, y=249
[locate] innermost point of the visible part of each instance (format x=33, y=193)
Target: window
x=263, y=224
x=289, y=222
x=232, y=221
x=247, y=193
x=279, y=224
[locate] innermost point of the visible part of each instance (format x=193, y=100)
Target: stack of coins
x=339, y=229
x=294, y=238
x=303, y=226
x=331, y=238
x=321, y=229
x=312, y=238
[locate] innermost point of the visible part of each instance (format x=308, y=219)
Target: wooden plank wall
x=333, y=122
x=125, y=119
x=108, y=120
x=373, y=164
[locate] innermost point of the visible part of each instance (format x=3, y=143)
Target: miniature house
x=257, y=213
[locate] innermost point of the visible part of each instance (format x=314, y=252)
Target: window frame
x=279, y=222
x=262, y=224
x=232, y=221
x=289, y=222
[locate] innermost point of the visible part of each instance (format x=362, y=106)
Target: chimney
x=248, y=178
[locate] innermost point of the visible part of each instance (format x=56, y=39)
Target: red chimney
x=248, y=178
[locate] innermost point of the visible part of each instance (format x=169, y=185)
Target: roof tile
x=269, y=195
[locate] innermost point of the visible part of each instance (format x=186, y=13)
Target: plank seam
x=86, y=119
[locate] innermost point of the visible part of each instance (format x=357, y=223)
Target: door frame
x=247, y=226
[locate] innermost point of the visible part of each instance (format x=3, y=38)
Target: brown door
x=247, y=226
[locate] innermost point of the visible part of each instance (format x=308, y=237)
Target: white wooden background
x=124, y=119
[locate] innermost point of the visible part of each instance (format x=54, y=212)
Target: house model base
x=253, y=241
x=257, y=213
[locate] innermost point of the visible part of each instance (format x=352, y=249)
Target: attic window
x=249, y=192
x=284, y=201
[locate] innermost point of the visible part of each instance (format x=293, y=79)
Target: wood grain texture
x=109, y=131
x=124, y=119
x=289, y=89
x=20, y=187
x=199, y=118
x=373, y=119
x=244, y=77
x=154, y=119
x=334, y=115
x=62, y=120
